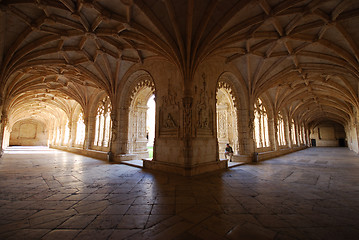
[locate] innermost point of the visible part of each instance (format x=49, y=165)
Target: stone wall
x=28, y=133
x=328, y=135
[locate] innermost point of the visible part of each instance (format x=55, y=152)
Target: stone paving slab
x=50, y=194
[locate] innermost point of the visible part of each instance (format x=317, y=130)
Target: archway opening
x=227, y=129
x=150, y=124
x=141, y=129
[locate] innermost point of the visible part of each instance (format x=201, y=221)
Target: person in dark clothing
x=228, y=152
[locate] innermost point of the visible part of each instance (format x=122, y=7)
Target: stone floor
x=49, y=194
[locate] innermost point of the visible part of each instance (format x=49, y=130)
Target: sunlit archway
x=141, y=129
x=150, y=124
x=227, y=129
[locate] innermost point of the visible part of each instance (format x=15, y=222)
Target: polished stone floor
x=49, y=194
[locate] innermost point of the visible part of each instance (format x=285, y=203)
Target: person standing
x=228, y=152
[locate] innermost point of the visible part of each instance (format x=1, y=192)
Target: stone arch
x=230, y=107
x=140, y=87
x=226, y=118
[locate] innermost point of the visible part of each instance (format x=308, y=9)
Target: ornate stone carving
x=187, y=115
x=114, y=126
x=222, y=124
x=169, y=114
x=223, y=84
x=204, y=121
x=170, y=123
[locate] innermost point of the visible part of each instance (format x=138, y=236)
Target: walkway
x=50, y=194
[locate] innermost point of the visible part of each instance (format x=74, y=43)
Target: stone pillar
x=251, y=147
x=90, y=122
x=187, y=130
x=273, y=133
x=356, y=127
x=307, y=137
x=235, y=138
x=3, y=123
x=123, y=131
x=297, y=134
x=113, y=145
x=242, y=121
x=288, y=134
x=186, y=139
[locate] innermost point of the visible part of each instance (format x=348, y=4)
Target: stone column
x=113, y=145
x=3, y=123
x=297, y=134
x=242, y=123
x=307, y=137
x=187, y=130
x=222, y=133
x=251, y=147
x=356, y=127
x=234, y=122
x=90, y=122
x=273, y=133
x=288, y=134
x=123, y=130
x=186, y=139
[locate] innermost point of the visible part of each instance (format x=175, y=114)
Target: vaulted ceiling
x=302, y=55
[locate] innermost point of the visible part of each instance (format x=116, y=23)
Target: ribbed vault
x=302, y=54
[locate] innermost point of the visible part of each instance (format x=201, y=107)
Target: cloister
x=168, y=84
x=268, y=77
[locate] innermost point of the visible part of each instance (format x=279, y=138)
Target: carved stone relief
x=222, y=123
x=204, y=113
x=187, y=118
x=169, y=114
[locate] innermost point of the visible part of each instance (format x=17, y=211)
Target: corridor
x=51, y=194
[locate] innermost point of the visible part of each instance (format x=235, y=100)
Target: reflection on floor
x=311, y=194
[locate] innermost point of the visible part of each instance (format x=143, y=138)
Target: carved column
x=123, y=130
x=186, y=140
x=251, y=145
x=273, y=133
x=187, y=129
x=222, y=129
x=235, y=139
x=114, y=150
x=241, y=132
